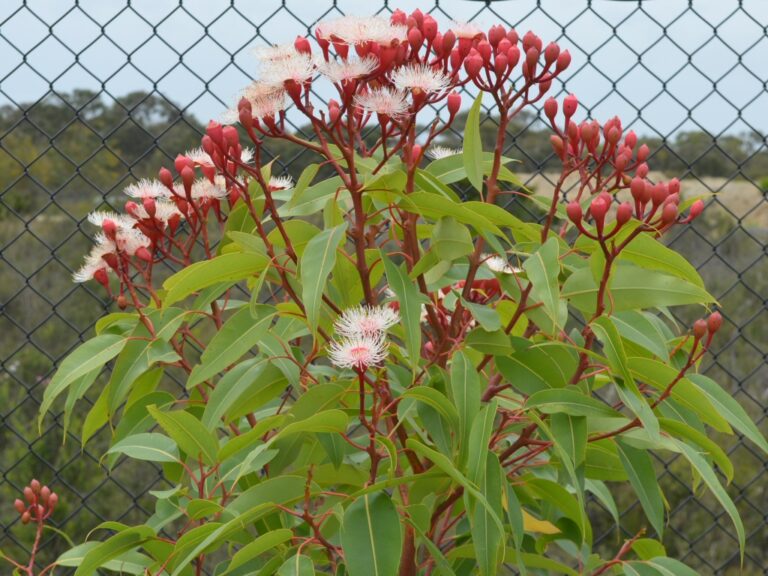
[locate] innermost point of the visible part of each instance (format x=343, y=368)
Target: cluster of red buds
x=607, y=161
x=707, y=327
x=40, y=503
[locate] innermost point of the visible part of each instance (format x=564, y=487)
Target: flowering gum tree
x=381, y=378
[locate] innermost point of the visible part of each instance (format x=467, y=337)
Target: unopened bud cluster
x=38, y=504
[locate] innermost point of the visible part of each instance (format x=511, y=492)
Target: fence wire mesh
x=97, y=94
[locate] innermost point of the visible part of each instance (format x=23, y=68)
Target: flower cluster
x=363, y=332
x=38, y=504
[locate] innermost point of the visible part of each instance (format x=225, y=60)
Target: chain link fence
x=96, y=94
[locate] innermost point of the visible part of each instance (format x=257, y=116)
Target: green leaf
x=479, y=439
x=192, y=437
x=451, y=240
x=372, y=536
x=730, y=409
x=486, y=316
x=147, y=446
x=686, y=432
x=647, y=548
x=649, y=253
x=410, y=300
x=543, y=268
x=299, y=565
x=487, y=539
x=85, y=360
x=316, y=265
x=642, y=476
x=434, y=206
x=570, y=432
x=569, y=401
x=232, y=386
x=314, y=198
x=473, y=145
x=305, y=179
x=127, y=563
x=236, y=337
x=709, y=477
x=225, y=268
x=112, y=548
x=326, y=421
x=627, y=390
x=436, y=400
x=633, y=288
x=637, y=327
x=259, y=546
x=538, y=367
x=671, y=567
x=465, y=393
x=496, y=342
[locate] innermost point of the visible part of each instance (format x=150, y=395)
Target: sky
x=630, y=58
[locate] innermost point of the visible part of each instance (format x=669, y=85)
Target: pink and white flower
x=420, y=78
x=164, y=211
x=281, y=182
x=344, y=70
x=440, y=152
x=383, y=101
x=299, y=68
x=499, y=265
x=356, y=30
x=466, y=30
x=276, y=53
x=366, y=321
x=204, y=189
x=359, y=352
x=93, y=263
x=146, y=188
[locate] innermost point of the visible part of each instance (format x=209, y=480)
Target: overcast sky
x=638, y=73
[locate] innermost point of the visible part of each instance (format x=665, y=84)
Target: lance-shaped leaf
x=86, y=360
x=225, y=268
x=473, y=145
x=237, y=336
x=642, y=476
x=465, y=393
x=115, y=546
x=543, y=268
x=486, y=536
x=627, y=389
x=152, y=447
x=317, y=262
x=410, y=300
x=298, y=565
x=259, y=546
x=372, y=536
x=192, y=437
x=450, y=239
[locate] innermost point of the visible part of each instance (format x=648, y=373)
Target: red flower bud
x=418, y=17
x=20, y=506
x=165, y=177
x=696, y=209
x=530, y=40
x=485, y=50
x=557, y=145
x=637, y=187
x=531, y=57
x=512, y=36
x=551, y=52
x=449, y=40
x=714, y=322
x=496, y=34
x=473, y=64
x=101, y=277
x=563, y=61
x=574, y=211
x=674, y=186
x=231, y=136
x=180, y=163
x=659, y=193
x=699, y=329
x=513, y=56
x=110, y=228
x=45, y=494
x=642, y=170
x=550, y=108
x=302, y=45
x=334, y=111
x=187, y=177
x=668, y=214
x=398, y=17
x=631, y=140
x=569, y=105
x=613, y=135
x=599, y=208
x=500, y=65
x=29, y=494
x=624, y=213
x=416, y=153
x=454, y=103
x=26, y=517
x=642, y=153
x=429, y=27
x=216, y=132
x=53, y=500
x=144, y=254
x=149, y=206
x=415, y=39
